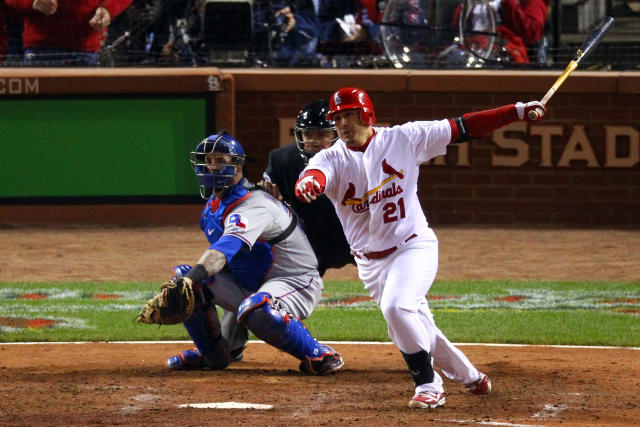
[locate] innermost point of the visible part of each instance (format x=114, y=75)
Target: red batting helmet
x=349, y=98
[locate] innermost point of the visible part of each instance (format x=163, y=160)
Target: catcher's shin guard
x=204, y=329
x=275, y=326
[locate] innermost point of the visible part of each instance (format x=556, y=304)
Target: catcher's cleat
x=329, y=364
x=236, y=354
x=427, y=400
x=187, y=359
x=481, y=386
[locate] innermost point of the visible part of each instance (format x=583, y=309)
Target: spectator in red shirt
x=520, y=23
x=526, y=18
x=65, y=32
x=523, y=23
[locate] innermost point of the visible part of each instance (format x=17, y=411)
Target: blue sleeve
x=228, y=245
x=307, y=23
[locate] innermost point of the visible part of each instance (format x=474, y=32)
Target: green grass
x=525, y=312
x=542, y=327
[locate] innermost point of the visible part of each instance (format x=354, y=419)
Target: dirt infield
x=123, y=384
x=106, y=254
x=126, y=384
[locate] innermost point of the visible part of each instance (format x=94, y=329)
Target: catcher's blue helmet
x=216, y=172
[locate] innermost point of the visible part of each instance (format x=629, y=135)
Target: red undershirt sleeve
x=481, y=123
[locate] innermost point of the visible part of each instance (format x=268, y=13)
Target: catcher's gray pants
x=299, y=295
x=236, y=335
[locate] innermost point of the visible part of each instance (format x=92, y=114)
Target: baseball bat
x=587, y=46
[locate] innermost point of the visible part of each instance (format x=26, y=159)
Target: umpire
x=313, y=132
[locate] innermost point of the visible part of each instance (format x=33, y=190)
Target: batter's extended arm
x=482, y=123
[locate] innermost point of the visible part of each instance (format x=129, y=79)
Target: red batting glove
x=308, y=189
x=523, y=110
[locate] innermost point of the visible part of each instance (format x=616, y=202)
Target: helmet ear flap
x=367, y=116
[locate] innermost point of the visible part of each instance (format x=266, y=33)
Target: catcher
x=259, y=265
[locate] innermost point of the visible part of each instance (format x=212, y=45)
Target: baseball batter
x=259, y=265
x=370, y=175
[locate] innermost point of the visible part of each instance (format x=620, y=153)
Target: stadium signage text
x=19, y=86
x=512, y=147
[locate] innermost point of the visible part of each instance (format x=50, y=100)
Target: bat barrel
x=587, y=46
x=594, y=38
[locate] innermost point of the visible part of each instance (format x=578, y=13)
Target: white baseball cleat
x=427, y=400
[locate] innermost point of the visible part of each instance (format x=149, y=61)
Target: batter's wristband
x=463, y=130
x=197, y=274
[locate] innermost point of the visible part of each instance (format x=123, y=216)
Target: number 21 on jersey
x=393, y=211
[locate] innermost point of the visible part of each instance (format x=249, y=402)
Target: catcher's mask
x=312, y=125
x=214, y=162
x=349, y=98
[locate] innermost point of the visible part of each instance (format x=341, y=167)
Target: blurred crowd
x=296, y=33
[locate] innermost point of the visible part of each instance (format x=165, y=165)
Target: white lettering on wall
x=285, y=131
x=461, y=160
x=513, y=146
x=613, y=134
x=518, y=146
x=621, y=146
x=546, y=132
x=213, y=82
x=19, y=86
x=578, y=148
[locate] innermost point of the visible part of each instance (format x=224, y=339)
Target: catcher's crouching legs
x=262, y=314
x=203, y=326
x=212, y=350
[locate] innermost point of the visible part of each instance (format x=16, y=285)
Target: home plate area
x=225, y=405
x=128, y=384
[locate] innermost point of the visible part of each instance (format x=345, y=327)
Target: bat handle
x=533, y=114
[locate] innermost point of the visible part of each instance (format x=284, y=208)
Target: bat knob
x=533, y=115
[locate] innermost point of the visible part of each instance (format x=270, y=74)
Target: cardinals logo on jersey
x=362, y=204
x=348, y=198
x=389, y=170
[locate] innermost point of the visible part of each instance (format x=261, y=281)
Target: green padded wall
x=99, y=147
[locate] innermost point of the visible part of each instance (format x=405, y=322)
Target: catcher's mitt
x=174, y=304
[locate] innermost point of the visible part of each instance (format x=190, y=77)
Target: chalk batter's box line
x=595, y=347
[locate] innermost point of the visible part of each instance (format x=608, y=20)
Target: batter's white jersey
x=375, y=192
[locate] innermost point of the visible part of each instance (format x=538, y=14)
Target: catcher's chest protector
x=216, y=210
x=248, y=268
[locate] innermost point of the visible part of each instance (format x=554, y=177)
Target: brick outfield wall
x=567, y=179
x=578, y=167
